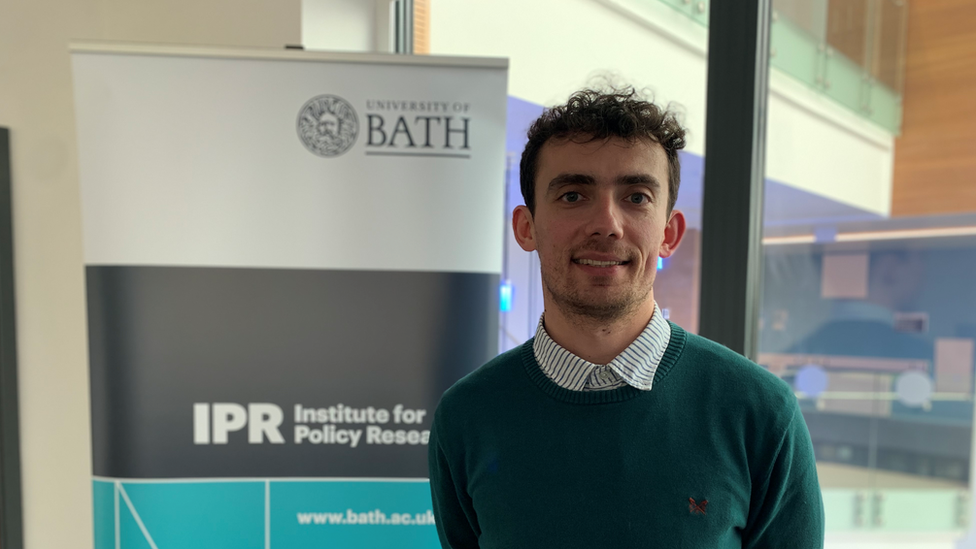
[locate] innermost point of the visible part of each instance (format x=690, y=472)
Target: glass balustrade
x=851, y=51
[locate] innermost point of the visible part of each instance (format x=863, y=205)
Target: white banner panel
x=291, y=159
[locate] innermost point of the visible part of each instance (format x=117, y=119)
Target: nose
x=605, y=218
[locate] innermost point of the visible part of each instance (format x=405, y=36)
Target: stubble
x=594, y=302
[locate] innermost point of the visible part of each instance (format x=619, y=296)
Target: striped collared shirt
x=635, y=366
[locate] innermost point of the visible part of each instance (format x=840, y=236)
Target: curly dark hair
x=592, y=115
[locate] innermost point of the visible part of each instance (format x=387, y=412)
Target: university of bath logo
x=328, y=125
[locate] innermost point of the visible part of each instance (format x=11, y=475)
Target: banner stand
x=289, y=257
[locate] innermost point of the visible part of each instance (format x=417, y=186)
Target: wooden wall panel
x=421, y=26
x=935, y=157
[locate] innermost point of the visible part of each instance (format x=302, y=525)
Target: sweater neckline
x=668, y=361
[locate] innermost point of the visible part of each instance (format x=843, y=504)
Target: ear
x=674, y=231
x=524, y=228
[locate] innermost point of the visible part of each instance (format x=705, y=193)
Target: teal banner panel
x=263, y=514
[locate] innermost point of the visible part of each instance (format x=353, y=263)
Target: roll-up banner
x=289, y=257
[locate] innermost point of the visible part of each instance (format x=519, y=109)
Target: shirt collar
x=636, y=365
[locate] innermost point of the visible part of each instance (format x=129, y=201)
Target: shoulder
x=484, y=386
x=735, y=380
x=495, y=372
x=752, y=408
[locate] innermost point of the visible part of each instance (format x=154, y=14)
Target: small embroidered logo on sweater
x=697, y=508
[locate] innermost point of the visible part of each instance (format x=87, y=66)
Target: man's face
x=600, y=224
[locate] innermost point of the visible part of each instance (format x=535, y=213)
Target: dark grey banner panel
x=229, y=372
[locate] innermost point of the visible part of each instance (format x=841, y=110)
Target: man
x=612, y=427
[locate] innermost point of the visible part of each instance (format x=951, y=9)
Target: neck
x=596, y=340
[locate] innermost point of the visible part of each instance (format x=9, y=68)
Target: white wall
x=556, y=46
x=36, y=104
x=816, y=145
x=340, y=25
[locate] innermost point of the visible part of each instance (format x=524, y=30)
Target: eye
x=638, y=198
x=571, y=196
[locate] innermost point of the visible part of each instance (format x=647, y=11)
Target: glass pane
x=848, y=23
x=869, y=297
x=808, y=16
x=796, y=51
x=888, y=59
x=845, y=81
x=884, y=106
x=696, y=10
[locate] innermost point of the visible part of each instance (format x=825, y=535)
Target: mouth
x=599, y=263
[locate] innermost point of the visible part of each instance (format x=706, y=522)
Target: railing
x=852, y=51
x=695, y=9
x=851, y=510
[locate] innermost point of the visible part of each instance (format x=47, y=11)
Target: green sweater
x=518, y=462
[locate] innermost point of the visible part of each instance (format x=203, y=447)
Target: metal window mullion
x=735, y=146
x=403, y=26
x=11, y=521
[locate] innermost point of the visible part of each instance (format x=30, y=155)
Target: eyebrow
x=565, y=179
